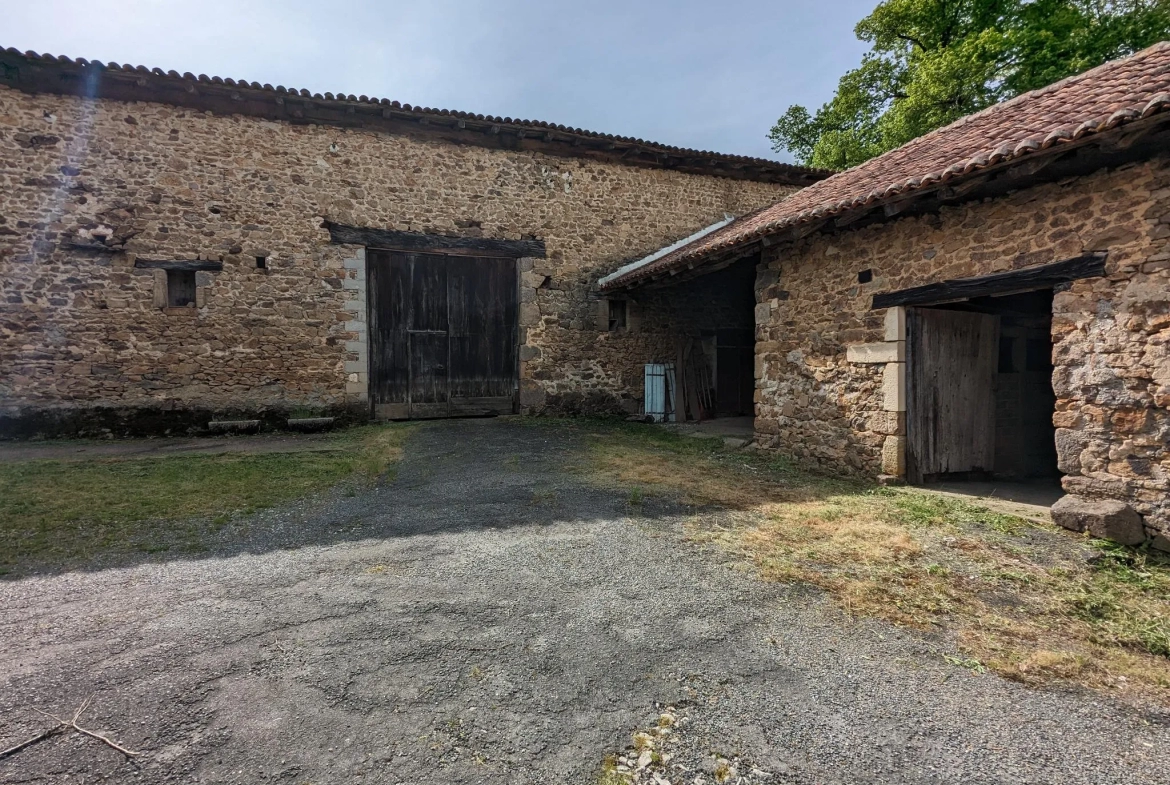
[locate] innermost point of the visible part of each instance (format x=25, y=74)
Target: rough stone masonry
x=831, y=370
x=93, y=190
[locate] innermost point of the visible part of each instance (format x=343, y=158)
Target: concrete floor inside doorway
x=488, y=615
x=1027, y=499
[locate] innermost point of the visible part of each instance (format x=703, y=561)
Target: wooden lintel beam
x=1112, y=143
x=852, y=216
x=965, y=187
x=416, y=242
x=890, y=209
x=1030, y=166
x=196, y=265
x=1029, y=278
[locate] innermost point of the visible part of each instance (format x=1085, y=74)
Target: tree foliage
x=934, y=61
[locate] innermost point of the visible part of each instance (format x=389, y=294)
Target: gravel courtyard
x=488, y=617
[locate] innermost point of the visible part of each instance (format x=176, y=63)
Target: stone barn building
x=176, y=249
x=990, y=300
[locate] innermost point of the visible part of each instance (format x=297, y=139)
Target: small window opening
x=180, y=288
x=1007, y=350
x=617, y=315
x=865, y=276
x=261, y=262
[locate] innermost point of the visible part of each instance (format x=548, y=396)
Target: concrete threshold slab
x=1029, y=500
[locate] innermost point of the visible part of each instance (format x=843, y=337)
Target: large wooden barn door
x=950, y=392
x=443, y=334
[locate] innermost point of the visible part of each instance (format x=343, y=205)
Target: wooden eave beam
x=800, y=231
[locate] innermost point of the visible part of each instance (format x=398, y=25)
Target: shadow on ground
x=487, y=618
x=456, y=476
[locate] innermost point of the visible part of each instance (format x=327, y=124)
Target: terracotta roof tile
x=1103, y=98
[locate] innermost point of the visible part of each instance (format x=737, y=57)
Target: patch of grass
x=970, y=663
x=1026, y=600
x=635, y=497
x=64, y=511
x=610, y=774
x=543, y=496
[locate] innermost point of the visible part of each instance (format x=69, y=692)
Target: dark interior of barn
x=708, y=340
x=981, y=397
x=1025, y=446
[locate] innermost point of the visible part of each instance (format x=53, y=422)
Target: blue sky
x=709, y=75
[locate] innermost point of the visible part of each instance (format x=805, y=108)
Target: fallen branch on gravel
x=29, y=742
x=63, y=725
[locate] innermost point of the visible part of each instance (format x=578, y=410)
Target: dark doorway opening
x=735, y=383
x=721, y=307
x=979, y=390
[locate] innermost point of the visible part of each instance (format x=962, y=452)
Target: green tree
x=934, y=61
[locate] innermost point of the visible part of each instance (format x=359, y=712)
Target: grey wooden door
x=950, y=392
x=443, y=334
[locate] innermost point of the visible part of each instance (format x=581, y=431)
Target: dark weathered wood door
x=443, y=334
x=950, y=392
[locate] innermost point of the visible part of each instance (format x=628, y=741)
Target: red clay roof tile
x=1103, y=98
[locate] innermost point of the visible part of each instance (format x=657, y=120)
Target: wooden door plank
x=387, y=293
x=428, y=320
x=951, y=392
x=484, y=331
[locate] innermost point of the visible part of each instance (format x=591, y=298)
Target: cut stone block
x=896, y=323
x=882, y=352
x=1069, y=446
x=894, y=387
x=1107, y=519
x=894, y=456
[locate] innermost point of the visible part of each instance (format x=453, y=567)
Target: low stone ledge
x=1107, y=519
x=310, y=424
x=233, y=426
x=21, y=423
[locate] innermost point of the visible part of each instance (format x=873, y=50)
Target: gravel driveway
x=486, y=617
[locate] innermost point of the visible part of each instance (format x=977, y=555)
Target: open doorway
x=979, y=391
x=703, y=328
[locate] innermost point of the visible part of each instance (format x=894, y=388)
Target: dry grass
x=1028, y=601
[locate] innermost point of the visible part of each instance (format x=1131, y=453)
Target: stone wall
x=831, y=371
x=87, y=189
